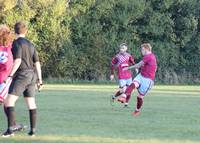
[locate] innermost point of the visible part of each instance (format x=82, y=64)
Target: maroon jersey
x=6, y=62
x=120, y=61
x=149, y=68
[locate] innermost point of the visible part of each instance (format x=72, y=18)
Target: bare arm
x=136, y=66
x=39, y=75
x=38, y=70
x=113, y=66
x=16, y=65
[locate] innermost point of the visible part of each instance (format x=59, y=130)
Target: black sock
x=5, y=111
x=33, y=117
x=10, y=117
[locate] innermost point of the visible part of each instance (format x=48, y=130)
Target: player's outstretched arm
x=136, y=66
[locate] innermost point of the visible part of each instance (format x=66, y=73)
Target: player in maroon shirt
x=121, y=60
x=143, y=81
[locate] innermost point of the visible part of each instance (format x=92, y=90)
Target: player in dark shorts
x=26, y=64
x=6, y=63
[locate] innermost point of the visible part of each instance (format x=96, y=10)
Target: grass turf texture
x=83, y=114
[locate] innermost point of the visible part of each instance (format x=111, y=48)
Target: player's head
x=146, y=48
x=5, y=37
x=20, y=28
x=123, y=47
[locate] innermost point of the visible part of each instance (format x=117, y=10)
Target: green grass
x=82, y=114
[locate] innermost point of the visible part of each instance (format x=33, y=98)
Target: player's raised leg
x=126, y=96
x=121, y=95
x=122, y=88
x=117, y=94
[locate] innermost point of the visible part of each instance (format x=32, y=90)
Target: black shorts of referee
x=23, y=83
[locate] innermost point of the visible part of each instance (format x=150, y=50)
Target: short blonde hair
x=147, y=46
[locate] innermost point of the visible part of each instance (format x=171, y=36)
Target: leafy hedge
x=76, y=39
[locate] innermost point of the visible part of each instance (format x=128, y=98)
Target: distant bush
x=76, y=39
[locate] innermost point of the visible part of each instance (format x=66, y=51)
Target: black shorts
x=23, y=83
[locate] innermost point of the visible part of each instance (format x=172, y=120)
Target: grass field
x=83, y=114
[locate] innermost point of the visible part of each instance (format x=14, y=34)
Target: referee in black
x=26, y=73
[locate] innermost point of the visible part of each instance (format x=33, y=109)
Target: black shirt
x=25, y=50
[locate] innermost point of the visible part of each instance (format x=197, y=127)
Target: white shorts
x=125, y=82
x=4, y=87
x=145, y=84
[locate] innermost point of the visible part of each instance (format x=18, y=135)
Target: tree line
x=76, y=39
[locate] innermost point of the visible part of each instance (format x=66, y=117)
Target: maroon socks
x=139, y=103
x=118, y=93
x=130, y=89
